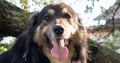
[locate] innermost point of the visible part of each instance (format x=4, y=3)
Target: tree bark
x=13, y=21
x=101, y=54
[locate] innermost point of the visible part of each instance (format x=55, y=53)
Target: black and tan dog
x=54, y=35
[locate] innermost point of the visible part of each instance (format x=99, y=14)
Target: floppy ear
x=81, y=49
x=79, y=20
x=84, y=44
x=32, y=20
x=31, y=23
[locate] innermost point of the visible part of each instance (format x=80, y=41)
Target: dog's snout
x=58, y=30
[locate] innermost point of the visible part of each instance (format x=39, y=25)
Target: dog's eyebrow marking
x=51, y=12
x=64, y=10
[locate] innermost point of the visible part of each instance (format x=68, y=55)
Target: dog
x=54, y=35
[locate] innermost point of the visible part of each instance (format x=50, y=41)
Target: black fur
x=16, y=53
x=25, y=46
x=6, y=57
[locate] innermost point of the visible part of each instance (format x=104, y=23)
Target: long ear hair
x=84, y=44
x=31, y=27
x=30, y=32
x=81, y=48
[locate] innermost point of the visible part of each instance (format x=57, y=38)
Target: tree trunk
x=12, y=19
x=13, y=22
x=101, y=54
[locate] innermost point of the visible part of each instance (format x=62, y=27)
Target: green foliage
x=6, y=44
x=2, y=49
x=36, y=1
x=89, y=7
x=118, y=1
x=109, y=43
x=24, y=4
x=112, y=40
x=46, y=2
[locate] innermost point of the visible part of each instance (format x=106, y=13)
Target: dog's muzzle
x=57, y=41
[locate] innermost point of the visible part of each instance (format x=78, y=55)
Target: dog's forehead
x=61, y=8
x=53, y=11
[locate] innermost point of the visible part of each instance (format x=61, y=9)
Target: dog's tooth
x=61, y=42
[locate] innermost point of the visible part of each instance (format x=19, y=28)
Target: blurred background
x=100, y=17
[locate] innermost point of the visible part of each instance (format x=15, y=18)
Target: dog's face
x=56, y=27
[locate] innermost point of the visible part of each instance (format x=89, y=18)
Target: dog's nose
x=58, y=30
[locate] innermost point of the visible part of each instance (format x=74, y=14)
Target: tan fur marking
x=64, y=10
x=51, y=12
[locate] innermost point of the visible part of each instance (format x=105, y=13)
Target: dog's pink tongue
x=59, y=51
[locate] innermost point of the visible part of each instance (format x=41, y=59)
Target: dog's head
x=57, y=30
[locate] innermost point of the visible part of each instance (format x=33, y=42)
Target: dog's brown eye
x=46, y=17
x=66, y=15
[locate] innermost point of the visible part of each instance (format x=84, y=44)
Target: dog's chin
x=59, y=48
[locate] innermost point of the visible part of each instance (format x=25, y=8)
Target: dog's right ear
x=33, y=20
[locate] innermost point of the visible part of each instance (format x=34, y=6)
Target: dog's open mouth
x=59, y=50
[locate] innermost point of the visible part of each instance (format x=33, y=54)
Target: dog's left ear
x=84, y=44
x=78, y=19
